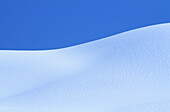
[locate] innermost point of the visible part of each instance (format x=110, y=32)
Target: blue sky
x=52, y=24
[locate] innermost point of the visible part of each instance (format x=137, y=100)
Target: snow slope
x=128, y=72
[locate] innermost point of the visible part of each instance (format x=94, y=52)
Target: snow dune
x=128, y=72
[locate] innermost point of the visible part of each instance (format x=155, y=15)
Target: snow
x=128, y=72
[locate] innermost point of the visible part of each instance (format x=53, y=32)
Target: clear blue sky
x=52, y=24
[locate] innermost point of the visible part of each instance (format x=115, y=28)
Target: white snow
x=128, y=72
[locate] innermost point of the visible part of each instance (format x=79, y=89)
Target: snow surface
x=128, y=72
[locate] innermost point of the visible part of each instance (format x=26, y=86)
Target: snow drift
x=128, y=72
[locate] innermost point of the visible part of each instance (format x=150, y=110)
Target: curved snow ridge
x=123, y=72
